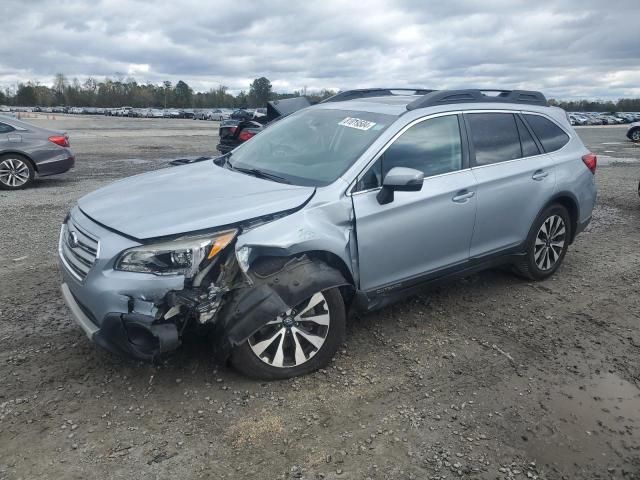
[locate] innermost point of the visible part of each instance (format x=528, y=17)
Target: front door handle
x=463, y=195
x=539, y=175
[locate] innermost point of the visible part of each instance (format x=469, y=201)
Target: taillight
x=62, y=140
x=245, y=135
x=591, y=161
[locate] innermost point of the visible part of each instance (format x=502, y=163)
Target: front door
x=418, y=232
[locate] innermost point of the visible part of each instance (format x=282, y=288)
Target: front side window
x=433, y=146
x=495, y=137
x=551, y=136
x=313, y=146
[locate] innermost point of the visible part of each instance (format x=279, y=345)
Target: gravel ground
x=487, y=377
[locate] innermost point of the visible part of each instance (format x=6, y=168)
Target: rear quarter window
x=4, y=128
x=551, y=136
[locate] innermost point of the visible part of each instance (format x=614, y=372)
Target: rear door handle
x=539, y=175
x=463, y=195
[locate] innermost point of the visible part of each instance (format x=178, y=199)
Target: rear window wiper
x=259, y=173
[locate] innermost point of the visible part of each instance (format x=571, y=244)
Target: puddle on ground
x=595, y=421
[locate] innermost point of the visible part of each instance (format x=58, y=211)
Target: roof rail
x=373, y=92
x=444, y=97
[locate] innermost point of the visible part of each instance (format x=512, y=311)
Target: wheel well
x=571, y=206
x=264, y=264
x=334, y=261
x=21, y=155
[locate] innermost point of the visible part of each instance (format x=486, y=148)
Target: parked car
x=634, y=132
x=27, y=151
x=576, y=119
x=201, y=114
x=235, y=132
x=156, y=113
x=346, y=205
x=218, y=115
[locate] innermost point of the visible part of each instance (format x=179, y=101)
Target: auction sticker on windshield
x=356, y=123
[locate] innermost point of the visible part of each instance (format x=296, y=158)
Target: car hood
x=188, y=198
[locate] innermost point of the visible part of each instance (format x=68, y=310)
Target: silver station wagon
x=346, y=205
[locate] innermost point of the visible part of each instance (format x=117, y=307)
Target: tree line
x=128, y=92
x=620, y=105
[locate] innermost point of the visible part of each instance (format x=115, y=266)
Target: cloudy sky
x=566, y=48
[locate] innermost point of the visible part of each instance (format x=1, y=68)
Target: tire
x=16, y=172
x=245, y=357
x=544, y=253
x=634, y=135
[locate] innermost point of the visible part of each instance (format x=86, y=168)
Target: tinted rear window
x=4, y=128
x=529, y=147
x=495, y=137
x=550, y=135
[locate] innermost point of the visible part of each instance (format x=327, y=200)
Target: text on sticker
x=356, y=123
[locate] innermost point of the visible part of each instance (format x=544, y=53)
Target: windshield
x=312, y=147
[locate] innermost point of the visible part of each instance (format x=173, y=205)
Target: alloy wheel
x=295, y=337
x=550, y=242
x=635, y=135
x=14, y=172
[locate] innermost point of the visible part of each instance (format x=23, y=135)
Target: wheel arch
x=631, y=130
x=269, y=263
x=570, y=202
x=20, y=154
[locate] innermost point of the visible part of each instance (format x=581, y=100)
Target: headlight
x=183, y=256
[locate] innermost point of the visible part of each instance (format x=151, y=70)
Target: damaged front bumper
x=122, y=312
x=124, y=333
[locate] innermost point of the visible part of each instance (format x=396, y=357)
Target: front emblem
x=73, y=240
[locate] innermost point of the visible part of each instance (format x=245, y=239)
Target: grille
x=78, y=249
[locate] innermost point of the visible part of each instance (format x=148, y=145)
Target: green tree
x=167, y=89
x=26, y=95
x=59, y=86
x=183, y=95
x=260, y=92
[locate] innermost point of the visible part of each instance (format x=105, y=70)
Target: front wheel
x=547, y=244
x=300, y=341
x=635, y=135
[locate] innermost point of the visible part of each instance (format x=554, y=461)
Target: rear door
x=515, y=179
x=418, y=232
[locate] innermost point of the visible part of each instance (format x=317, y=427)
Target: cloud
x=566, y=48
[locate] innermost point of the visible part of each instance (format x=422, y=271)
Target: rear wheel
x=302, y=340
x=16, y=172
x=547, y=244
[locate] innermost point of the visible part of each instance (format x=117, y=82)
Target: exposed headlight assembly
x=183, y=256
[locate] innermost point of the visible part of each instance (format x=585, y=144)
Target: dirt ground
x=490, y=377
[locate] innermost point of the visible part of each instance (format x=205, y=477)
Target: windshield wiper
x=259, y=173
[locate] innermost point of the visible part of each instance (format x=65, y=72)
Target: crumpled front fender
x=276, y=289
x=325, y=227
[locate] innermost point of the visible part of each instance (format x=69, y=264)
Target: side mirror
x=399, y=179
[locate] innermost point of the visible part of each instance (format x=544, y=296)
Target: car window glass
x=551, y=136
x=495, y=137
x=529, y=147
x=372, y=178
x=4, y=128
x=313, y=146
x=433, y=147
